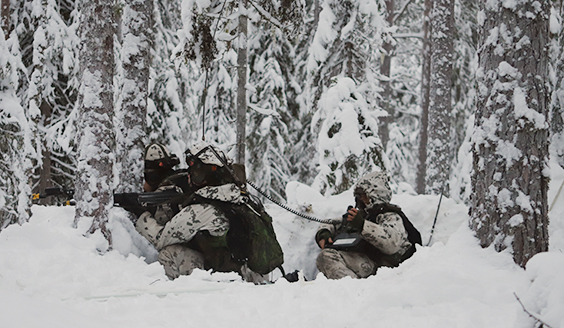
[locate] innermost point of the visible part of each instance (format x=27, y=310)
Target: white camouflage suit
x=169, y=236
x=388, y=235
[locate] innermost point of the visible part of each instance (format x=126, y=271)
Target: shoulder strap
x=412, y=233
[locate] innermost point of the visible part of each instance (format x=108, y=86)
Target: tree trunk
x=96, y=136
x=242, y=83
x=45, y=179
x=385, y=67
x=439, y=158
x=316, y=12
x=509, y=202
x=132, y=117
x=557, y=119
x=425, y=84
x=5, y=17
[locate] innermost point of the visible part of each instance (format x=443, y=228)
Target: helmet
x=208, y=165
x=158, y=163
x=158, y=156
x=376, y=186
x=207, y=154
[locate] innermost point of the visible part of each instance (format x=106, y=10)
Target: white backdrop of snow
x=52, y=276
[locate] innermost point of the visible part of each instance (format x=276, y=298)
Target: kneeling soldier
x=369, y=236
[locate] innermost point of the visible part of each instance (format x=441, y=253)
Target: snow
x=522, y=110
x=53, y=276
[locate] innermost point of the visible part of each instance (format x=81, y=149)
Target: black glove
x=357, y=224
x=323, y=235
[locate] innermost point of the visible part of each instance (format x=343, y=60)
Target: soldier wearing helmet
x=372, y=235
x=196, y=237
x=159, y=164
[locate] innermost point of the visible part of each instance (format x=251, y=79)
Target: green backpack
x=251, y=238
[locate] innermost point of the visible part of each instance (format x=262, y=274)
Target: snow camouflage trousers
x=179, y=260
x=335, y=264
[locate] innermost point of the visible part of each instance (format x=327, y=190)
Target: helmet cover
x=207, y=154
x=376, y=186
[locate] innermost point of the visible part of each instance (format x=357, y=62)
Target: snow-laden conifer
x=348, y=143
x=208, y=39
x=343, y=55
x=172, y=102
x=16, y=149
x=464, y=97
x=271, y=74
x=48, y=40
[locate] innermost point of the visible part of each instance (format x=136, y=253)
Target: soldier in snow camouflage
x=195, y=235
x=383, y=237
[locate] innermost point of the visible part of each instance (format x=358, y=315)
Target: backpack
x=251, y=238
x=413, y=234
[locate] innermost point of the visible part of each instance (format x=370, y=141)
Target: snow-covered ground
x=52, y=276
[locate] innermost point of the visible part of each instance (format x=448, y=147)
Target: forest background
x=318, y=91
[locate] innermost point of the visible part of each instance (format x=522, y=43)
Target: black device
x=138, y=203
x=346, y=240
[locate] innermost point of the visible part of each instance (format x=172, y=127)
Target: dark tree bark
x=132, y=117
x=241, y=84
x=439, y=155
x=557, y=119
x=45, y=180
x=95, y=131
x=5, y=17
x=509, y=202
x=425, y=84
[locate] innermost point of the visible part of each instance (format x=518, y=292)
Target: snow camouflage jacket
x=163, y=230
x=386, y=231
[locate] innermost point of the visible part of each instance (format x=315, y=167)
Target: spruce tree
x=340, y=57
x=171, y=107
x=16, y=149
x=271, y=73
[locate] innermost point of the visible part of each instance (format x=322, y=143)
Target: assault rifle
x=63, y=195
x=137, y=203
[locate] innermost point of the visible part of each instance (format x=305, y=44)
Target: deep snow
x=52, y=276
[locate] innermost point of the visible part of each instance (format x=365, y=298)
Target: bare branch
x=266, y=15
x=543, y=324
x=402, y=11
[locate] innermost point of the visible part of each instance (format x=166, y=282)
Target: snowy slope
x=52, y=276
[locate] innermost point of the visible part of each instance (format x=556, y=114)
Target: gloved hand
x=323, y=237
x=355, y=220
